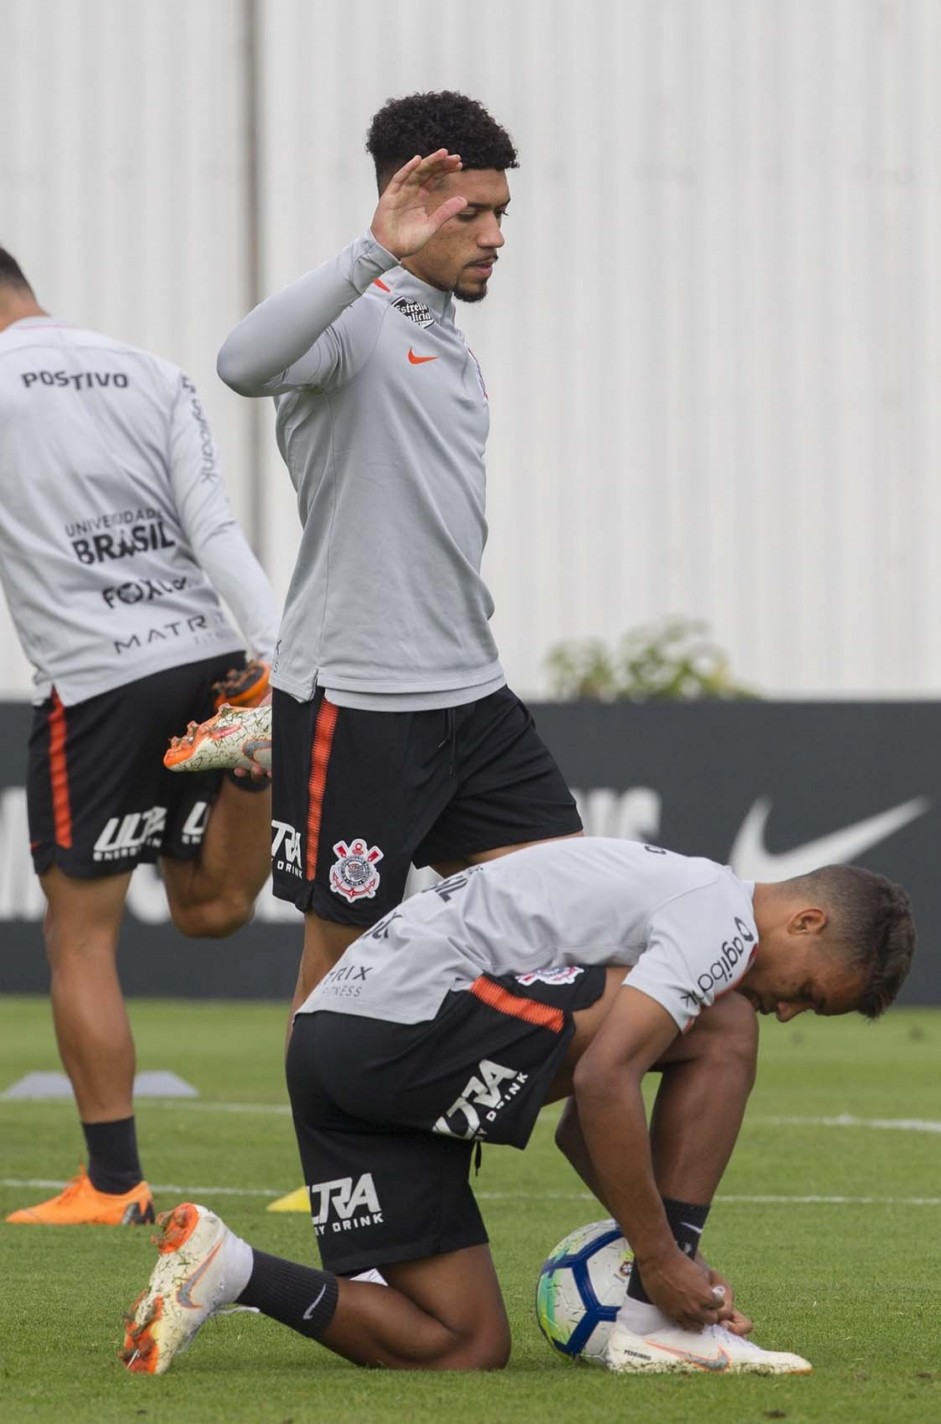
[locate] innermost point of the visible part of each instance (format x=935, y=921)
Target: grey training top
x=685, y=928
x=382, y=420
x=116, y=536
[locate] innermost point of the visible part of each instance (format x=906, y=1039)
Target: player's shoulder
x=140, y=355
x=67, y=336
x=695, y=885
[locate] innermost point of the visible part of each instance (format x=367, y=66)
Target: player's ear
x=811, y=919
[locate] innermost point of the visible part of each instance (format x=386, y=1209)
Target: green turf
x=853, y=1286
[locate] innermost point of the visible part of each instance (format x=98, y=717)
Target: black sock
x=113, y=1163
x=298, y=1296
x=686, y=1220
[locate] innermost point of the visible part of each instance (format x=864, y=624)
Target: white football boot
x=713, y=1350
x=234, y=737
x=202, y=1268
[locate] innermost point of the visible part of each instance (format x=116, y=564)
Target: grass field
x=828, y=1230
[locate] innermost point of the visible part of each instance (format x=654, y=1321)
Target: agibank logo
x=343, y=1204
x=735, y=955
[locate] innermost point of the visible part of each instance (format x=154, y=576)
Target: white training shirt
x=382, y=420
x=116, y=536
x=685, y=927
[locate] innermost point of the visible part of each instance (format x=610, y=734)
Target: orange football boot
x=243, y=687
x=80, y=1204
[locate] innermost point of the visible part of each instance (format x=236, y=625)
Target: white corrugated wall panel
x=713, y=343
x=122, y=186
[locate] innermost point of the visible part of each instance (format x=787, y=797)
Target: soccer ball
x=581, y=1286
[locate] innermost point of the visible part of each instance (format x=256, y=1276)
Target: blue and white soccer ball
x=581, y=1286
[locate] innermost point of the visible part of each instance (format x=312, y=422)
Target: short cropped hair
x=871, y=918
x=11, y=273
x=422, y=123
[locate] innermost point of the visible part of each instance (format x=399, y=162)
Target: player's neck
x=16, y=306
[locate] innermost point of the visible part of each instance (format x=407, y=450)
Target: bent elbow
x=232, y=372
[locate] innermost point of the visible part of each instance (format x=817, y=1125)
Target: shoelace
x=72, y=1187
x=723, y=1336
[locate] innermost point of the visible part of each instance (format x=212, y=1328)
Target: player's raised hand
x=411, y=209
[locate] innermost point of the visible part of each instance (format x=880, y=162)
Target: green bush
x=672, y=660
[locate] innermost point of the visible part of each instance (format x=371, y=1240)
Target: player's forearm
x=613, y=1123
x=286, y=325
x=239, y=579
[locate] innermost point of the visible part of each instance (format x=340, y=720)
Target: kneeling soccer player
x=568, y=970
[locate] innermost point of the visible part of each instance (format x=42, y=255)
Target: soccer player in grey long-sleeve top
x=116, y=542
x=396, y=740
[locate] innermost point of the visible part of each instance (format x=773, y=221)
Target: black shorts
x=98, y=796
x=387, y=1115
x=358, y=797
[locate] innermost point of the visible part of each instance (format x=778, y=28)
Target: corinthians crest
x=353, y=874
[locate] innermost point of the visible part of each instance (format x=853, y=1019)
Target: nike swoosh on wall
x=751, y=859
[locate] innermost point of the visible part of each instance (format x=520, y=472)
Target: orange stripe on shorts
x=317, y=783
x=531, y=1010
x=59, y=775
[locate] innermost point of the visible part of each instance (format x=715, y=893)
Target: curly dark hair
x=872, y=922
x=422, y=123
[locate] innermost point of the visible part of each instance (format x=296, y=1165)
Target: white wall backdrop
x=713, y=343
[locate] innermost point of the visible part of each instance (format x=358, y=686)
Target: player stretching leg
x=116, y=541
x=569, y=970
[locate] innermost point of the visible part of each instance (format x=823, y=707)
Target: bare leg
x=82, y=922
x=707, y=1076
x=441, y=1313
x=324, y=942
x=215, y=894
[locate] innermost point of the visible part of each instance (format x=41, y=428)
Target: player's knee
x=487, y=1350
x=74, y=944
x=212, y=919
x=733, y=1040
x=568, y=1135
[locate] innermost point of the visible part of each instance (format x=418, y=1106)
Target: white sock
x=642, y=1318
x=239, y=1265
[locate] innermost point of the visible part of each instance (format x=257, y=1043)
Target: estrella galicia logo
x=416, y=311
